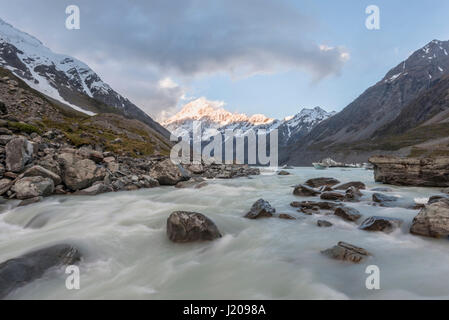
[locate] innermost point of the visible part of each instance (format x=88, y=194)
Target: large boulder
x=348, y=214
x=432, y=221
x=183, y=226
x=31, y=187
x=17, y=272
x=346, y=252
x=384, y=224
x=426, y=172
x=318, y=182
x=260, y=209
x=79, y=173
x=305, y=191
x=168, y=173
x=19, y=152
x=38, y=171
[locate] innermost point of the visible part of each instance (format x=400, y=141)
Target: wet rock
x=323, y=205
x=79, y=173
x=384, y=224
x=355, y=184
x=324, y=224
x=353, y=194
x=346, y=252
x=333, y=196
x=382, y=189
x=19, y=152
x=305, y=191
x=30, y=201
x=192, y=183
x=425, y=172
x=446, y=190
x=325, y=189
x=168, y=173
x=432, y=221
x=17, y=272
x=260, y=209
x=434, y=199
x=38, y=171
x=31, y=187
x=384, y=200
x=283, y=173
x=286, y=216
x=318, y=182
x=95, y=189
x=185, y=226
x=348, y=214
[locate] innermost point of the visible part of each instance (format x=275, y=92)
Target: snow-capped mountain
x=62, y=77
x=215, y=119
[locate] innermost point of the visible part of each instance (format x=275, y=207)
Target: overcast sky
x=258, y=56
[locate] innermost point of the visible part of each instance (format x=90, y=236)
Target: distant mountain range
x=405, y=109
x=64, y=78
x=214, y=118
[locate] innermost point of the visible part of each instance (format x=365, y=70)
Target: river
x=127, y=254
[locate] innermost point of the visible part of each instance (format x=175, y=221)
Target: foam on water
x=127, y=254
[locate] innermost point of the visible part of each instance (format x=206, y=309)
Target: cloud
x=180, y=39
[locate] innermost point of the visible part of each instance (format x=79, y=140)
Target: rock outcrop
x=20, y=271
x=183, y=226
x=426, y=172
x=432, y=221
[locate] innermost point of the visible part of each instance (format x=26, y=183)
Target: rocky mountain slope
x=353, y=133
x=64, y=78
x=214, y=119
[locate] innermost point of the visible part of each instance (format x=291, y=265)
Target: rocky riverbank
x=426, y=172
x=34, y=166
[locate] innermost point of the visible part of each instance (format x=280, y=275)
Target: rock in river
x=305, y=191
x=168, y=173
x=20, y=271
x=348, y=214
x=383, y=199
x=355, y=184
x=333, y=196
x=183, y=226
x=346, y=252
x=318, y=182
x=432, y=221
x=324, y=224
x=260, y=209
x=384, y=224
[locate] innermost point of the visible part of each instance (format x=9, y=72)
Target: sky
x=272, y=57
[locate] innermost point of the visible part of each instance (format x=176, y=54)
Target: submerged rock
x=283, y=173
x=384, y=224
x=324, y=224
x=318, y=182
x=30, y=201
x=183, y=226
x=348, y=214
x=20, y=271
x=346, y=252
x=383, y=199
x=323, y=205
x=381, y=189
x=286, y=216
x=432, y=221
x=355, y=184
x=260, y=209
x=305, y=191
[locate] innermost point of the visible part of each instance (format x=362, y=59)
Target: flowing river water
x=127, y=254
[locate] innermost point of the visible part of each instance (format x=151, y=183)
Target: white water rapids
x=127, y=254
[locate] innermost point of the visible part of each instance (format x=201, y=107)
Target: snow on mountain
x=215, y=119
x=62, y=77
